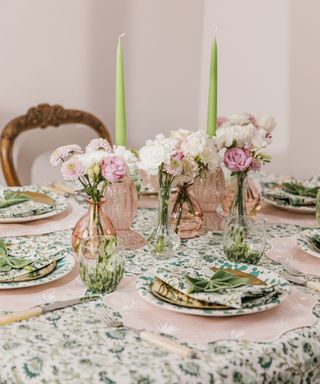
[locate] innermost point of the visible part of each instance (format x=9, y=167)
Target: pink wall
x=64, y=52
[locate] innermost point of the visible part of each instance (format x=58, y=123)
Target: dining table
x=75, y=345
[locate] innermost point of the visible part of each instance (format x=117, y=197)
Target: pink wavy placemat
x=295, y=312
x=276, y=215
x=64, y=220
x=286, y=247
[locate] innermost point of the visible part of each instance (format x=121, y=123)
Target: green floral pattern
x=74, y=346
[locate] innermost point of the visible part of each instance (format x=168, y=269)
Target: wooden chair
x=42, y=116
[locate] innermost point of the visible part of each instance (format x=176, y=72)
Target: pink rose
x=113, y=168
x=237, y=159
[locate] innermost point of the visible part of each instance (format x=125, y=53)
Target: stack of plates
x=266, y=290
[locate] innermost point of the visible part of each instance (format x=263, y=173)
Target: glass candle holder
x=101, y=263
x=244, y=239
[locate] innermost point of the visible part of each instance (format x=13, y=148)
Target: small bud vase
x=209, y=189
x=122, y=206
x=93, y=223
x=251, y=196
x=163, y=241
x=186, y=215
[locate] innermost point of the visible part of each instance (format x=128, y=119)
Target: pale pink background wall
x=64, y=52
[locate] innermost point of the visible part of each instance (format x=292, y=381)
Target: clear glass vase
x=251, y=196
x=163, y=241
x=209, y=190
x=121, y=208
x=101, y=263
x=244, y=239
x=186, y=215
x=238, y=207
x=93, y=223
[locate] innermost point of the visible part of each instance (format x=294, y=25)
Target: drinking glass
x=101, y=262
x=244, y=239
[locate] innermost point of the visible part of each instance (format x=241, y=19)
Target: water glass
x=244, y=239
x=101, y=263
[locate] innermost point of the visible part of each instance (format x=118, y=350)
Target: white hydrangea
x=267, y=122
x=194, y=143
x=240, y=134
x=180, y=134
x=156, y=152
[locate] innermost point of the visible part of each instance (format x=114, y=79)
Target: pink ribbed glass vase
x=209, y=190
x=121, y=208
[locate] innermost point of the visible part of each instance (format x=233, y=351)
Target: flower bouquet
x=94, y=170
x=242, y=139
x=200, y=155
x=168, y=158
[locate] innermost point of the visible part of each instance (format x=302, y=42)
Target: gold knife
x=301, y=281
x=43, y=308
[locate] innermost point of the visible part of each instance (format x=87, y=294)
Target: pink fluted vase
x=121, y=208
x=209, y=190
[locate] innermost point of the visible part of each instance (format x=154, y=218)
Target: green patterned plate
x=303, y=244
x=269, y=278
x=64, y=266
x=39, y=205
x=290, y=208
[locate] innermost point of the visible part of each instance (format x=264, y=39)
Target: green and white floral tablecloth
x=74, y=346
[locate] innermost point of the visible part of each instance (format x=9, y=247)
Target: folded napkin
x=240, y=295
x=285, y=198
x=15, y=205
x=12, y=198
x=218, y=282
x=314, y=238
x=14, y=267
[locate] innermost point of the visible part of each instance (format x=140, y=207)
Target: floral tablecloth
x=74, y=346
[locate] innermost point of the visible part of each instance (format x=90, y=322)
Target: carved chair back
x=42, y=116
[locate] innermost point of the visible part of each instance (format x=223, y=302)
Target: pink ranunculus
x=113, y=168
x=237, y=159
x=179, y=155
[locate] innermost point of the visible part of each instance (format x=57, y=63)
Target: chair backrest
x=42, y=116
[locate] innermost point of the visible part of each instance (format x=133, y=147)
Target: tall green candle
x=120, y=108
x=213, y=84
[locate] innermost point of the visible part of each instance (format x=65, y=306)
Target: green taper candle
x=120, y=109
x=213, y=85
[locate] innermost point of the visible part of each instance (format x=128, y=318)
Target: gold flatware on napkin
x=44, y=308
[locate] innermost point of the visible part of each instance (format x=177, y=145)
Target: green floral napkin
x=218, y=282
x=14, y=263
x=285, y=198
x=12, y=198
x=235, y=293
x=19, y=205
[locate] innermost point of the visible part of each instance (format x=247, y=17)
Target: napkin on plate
x=15, y=207
x=300, y=189
x=239, y=296
x=12, y=198
x=286, y=198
